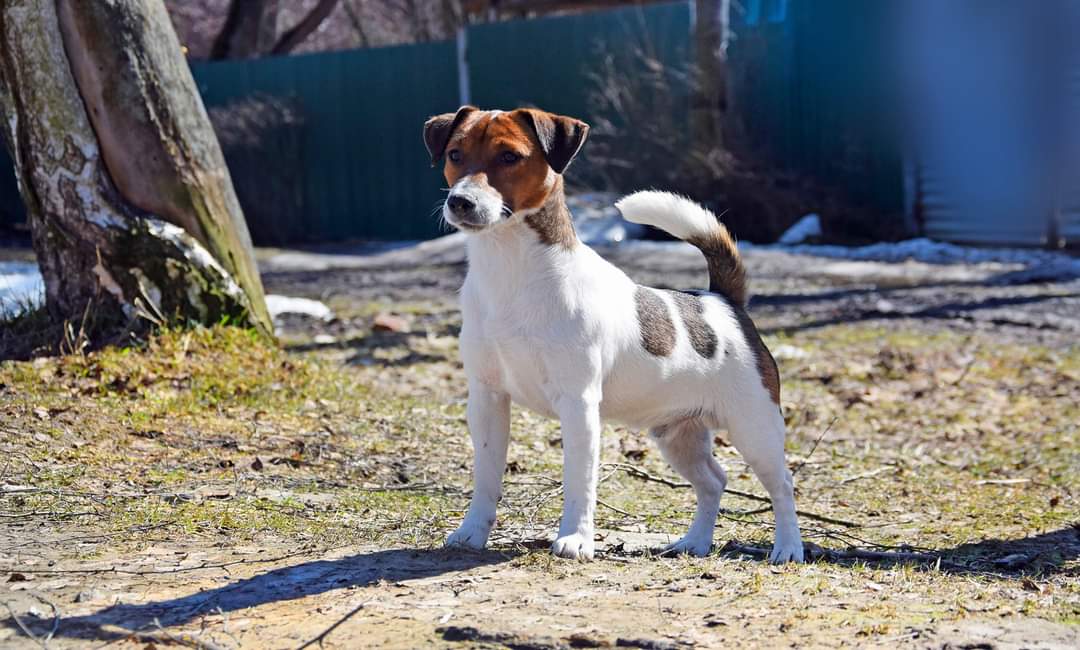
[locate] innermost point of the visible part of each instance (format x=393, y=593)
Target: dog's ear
x=560, y=137
x=437, y=130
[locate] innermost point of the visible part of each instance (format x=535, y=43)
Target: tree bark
x=250, y=30
x=710, y=97
x=131, y=207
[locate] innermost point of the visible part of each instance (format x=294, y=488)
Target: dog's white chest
x=511, y=361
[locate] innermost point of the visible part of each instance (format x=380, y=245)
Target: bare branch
x=295, y=36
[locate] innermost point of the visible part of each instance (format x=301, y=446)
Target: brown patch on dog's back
x=766, y=365
x=654, y=322
x=692, y=311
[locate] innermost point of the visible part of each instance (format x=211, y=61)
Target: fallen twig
x=42, y=641
x=872, y=473
x=191, y=642
x=968, y=365
x=322, y=636
x=852, y=554
x=47, y=513
x=637, y=472
x=611, y=507
x=814, y=448
x=413, y=487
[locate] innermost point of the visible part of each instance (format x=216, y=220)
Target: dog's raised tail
x=693, y=224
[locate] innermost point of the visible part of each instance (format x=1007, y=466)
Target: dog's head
x=500, y=164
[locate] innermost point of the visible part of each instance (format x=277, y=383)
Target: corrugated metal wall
x=365, y=171
x=552, y=62
x=1070, y=203
x=807, y=83
x=546, y=61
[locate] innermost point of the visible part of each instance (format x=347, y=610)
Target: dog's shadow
x=1041, y=555
x=121, y=621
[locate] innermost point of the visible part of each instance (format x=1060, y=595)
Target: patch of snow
x=1014, y=265
x=667, y=247
x=195, y=253
x=1037, y=264
x=928, y=251
x=803, y=229
x=279, y=305
x=21, y=286
x=597, y=221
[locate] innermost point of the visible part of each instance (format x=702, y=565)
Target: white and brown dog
x=552, y=326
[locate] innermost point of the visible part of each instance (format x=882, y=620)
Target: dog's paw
x=790, y=551
x=469, y=536
x=696, y=546
x=574, y=547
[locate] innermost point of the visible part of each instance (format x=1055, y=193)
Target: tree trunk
x=131, y=207
x=710, y=98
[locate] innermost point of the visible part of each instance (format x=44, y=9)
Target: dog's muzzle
x=470, y=208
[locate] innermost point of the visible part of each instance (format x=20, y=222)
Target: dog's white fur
x=555, y=329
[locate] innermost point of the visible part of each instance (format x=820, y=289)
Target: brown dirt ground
x=205, y=490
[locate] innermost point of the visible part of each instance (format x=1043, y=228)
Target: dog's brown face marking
x=500, y=150
x=692, y=311
x=766, y=365
x=654, y=321
x=518, y=155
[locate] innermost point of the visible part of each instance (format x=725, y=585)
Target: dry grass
x=957, y=454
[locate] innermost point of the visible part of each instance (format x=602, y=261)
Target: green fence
x=546, y=62
x=807, y=79
x=364, y=169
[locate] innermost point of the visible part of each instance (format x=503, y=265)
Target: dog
x=552, y=326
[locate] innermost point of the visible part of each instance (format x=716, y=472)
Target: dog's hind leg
x=758, y=433
x=687, y=446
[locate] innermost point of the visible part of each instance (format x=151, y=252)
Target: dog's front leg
x=580, y=419
x=488, y=416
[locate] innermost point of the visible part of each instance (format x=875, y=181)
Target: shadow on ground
x=1040, y=556
x=286, y=583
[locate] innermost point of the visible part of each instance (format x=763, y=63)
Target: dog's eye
x=510, y=157
x=454, y=155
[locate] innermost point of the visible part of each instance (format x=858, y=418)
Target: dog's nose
x=459, y=204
